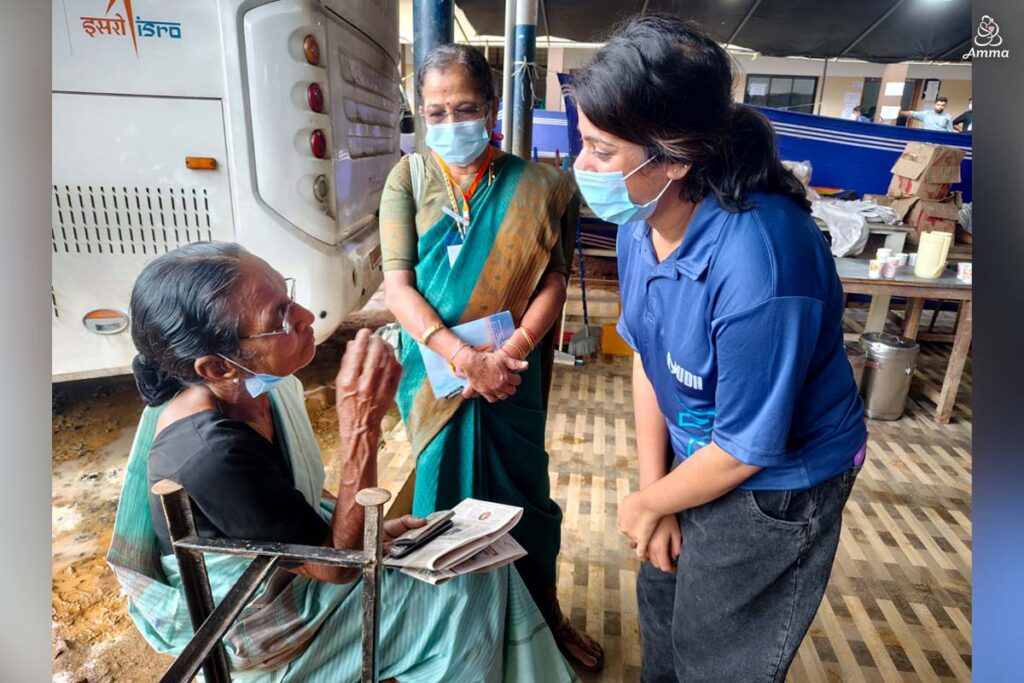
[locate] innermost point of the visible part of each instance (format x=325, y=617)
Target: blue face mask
x=608, y=197
x=258, y=382
x=459, y=143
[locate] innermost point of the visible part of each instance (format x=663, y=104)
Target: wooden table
x=854, y=275
x=895, y=239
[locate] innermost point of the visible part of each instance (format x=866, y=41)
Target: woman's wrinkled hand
x=492, y=375
x=366, y=383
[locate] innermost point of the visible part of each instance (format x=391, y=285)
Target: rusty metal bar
x=285, y=552
x=372, y=501
x=206, y=649
x=194, y=580
x=208, y=636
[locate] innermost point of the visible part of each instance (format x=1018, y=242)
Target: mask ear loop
x=655, y=200
x=638, y=168
x=237, y=365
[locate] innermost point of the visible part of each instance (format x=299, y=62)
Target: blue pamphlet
x=485, y=334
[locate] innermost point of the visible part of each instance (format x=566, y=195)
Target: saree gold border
x=508, y=280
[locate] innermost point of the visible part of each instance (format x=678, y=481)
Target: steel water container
x=888, y=371
x=857, y=358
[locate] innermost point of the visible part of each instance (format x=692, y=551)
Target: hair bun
x=155, y=386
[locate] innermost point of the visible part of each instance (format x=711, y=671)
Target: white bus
x=272, y=123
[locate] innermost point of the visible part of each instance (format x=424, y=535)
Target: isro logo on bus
x=133, y=26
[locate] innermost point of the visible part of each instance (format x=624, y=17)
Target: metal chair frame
x=206, y=649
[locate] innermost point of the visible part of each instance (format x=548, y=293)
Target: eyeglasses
x=463, y=113
x=286, y=326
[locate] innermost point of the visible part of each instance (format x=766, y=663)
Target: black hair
x=465, y=56
x=942, y=98
x=183, y=307
x=856, y=108
x=665, y=84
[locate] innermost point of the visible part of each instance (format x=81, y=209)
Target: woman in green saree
x=468, y=232
x=220, y=337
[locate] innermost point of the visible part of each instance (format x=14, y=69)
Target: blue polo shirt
x=740, y=333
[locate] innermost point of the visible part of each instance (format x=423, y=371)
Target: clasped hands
x=655, y=537
x=494, y=375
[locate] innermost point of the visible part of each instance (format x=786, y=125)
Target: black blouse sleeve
x=241, y=483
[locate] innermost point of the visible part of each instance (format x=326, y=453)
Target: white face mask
x=608, y=197
x=459, y=143
x=256, y=383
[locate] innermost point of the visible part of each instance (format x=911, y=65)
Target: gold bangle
x=451, y=358
x=528, y=337
x=518, y=348
x=436, y=327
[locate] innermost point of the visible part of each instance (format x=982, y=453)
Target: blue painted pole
x=525, y=56
x=433, y=24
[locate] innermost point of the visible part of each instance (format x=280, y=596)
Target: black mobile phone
x=437, y=523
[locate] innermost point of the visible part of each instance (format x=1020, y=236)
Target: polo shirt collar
x=692, y=256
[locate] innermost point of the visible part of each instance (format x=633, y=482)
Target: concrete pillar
x=553, y=96
x=893, y=78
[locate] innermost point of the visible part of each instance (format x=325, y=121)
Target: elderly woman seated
x=219, y=337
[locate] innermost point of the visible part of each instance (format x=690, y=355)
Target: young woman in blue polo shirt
x=749, y=426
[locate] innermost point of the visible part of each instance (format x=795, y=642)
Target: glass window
x=793, y=93
x=757, y=90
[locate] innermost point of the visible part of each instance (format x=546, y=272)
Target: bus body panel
x=92, y=54
x=366, y=109
x=198, y=103
x=121, y=195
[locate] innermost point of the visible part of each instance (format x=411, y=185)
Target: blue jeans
x=750, y=578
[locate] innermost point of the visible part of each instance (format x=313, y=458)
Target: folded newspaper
x=478, y=541
x=485, y=333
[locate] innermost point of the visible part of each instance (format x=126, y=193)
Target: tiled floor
x=898, y=606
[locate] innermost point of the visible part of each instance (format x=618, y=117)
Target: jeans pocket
x=790, y=509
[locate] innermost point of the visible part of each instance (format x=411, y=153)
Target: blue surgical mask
x=459, y=143
x=608, y=197
x=258, y=382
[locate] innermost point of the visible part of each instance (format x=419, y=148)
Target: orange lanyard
x=450, y=184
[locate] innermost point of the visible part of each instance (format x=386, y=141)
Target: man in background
x=963, y=123
x=936, y=119
x=858, y=116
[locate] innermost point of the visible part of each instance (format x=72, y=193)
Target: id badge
x=453, y=253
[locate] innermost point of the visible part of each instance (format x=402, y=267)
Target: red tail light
x=315, y=96
x=318, y=143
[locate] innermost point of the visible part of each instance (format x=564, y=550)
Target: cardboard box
x=927, y=163
x=901, y=186
x=927, y=214
x=880, y=199
x=903, y=206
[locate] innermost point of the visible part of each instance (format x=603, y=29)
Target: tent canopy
x=872, y=30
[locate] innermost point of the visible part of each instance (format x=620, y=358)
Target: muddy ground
x=94, y=640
